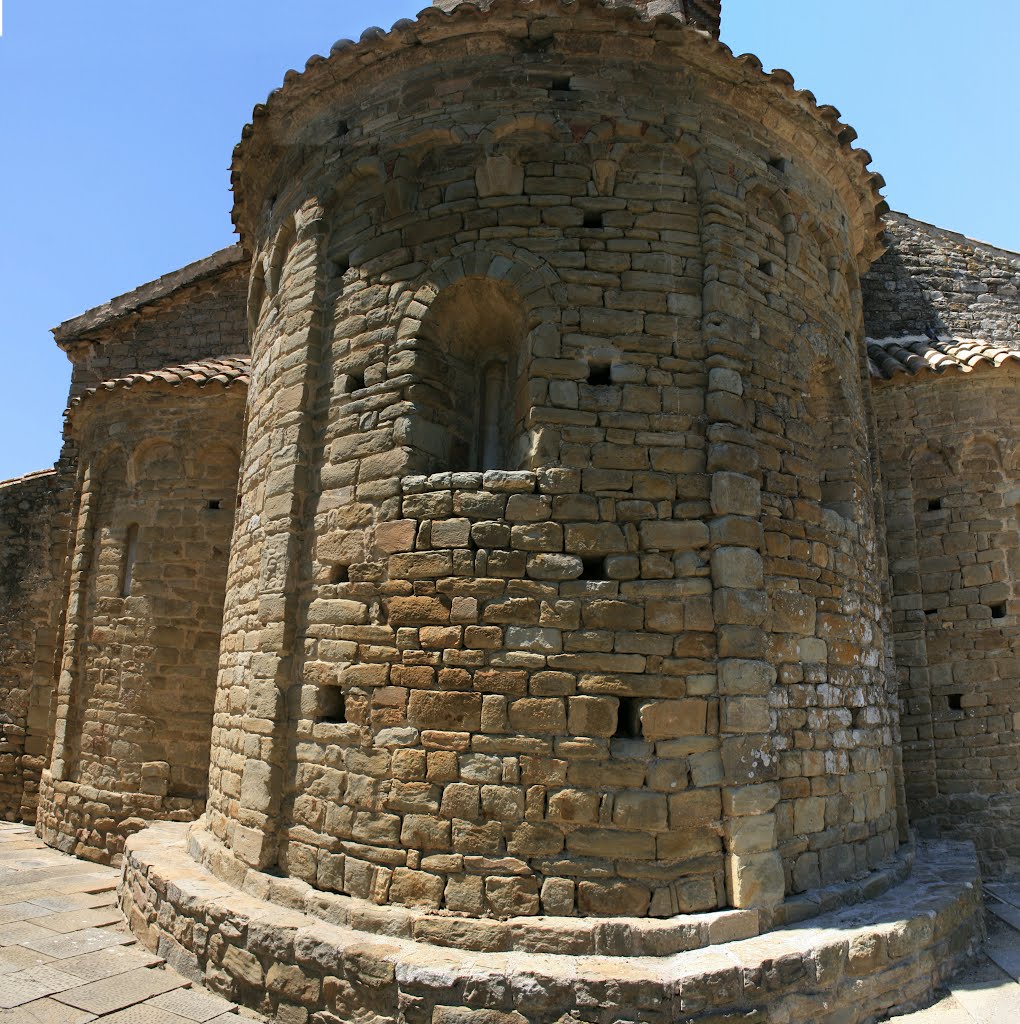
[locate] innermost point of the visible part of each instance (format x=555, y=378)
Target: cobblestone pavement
x=66, y=956
x=988, y=992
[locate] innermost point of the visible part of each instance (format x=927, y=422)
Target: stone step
x=1006, y=892
x=1003, y=948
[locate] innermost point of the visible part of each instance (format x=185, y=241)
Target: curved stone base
x=851, y=966
x=95, y=823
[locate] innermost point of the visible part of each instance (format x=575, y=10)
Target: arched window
x=130, y=557
x=468, y=399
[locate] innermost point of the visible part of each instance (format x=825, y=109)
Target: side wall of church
x=29, y=601
x=951, y=462
x=939, y=279
x=153, y=514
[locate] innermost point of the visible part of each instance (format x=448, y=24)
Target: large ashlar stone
x=755, y=880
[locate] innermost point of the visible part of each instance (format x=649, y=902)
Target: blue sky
x=118, y=117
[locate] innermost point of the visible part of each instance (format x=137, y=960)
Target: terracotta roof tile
x=223, y=370
x=916, y=356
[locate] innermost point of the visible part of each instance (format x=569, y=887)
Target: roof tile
x=919, y=356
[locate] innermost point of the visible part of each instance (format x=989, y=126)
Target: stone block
x=428, y=709
x=738, y=567
x=735, y=494
x=755, y=880
x=667, y=719
x=592, y=716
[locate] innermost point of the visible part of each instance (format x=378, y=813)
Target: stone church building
x=562, y=564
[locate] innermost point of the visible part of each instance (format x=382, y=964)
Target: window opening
x=332, y=705
x=130, y=557
x=593, y=569
x=628, y=719
x=493, y=391
x=599, y=375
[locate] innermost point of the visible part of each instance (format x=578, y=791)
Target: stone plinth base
x=850, y=966
x=95, y=823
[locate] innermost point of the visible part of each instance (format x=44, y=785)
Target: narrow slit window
x=628, y=719
x=332, y=705
x=491, y=445
x=130, y=557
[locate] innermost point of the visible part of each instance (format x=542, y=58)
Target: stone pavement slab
x=195, y=1006
x=46, y=1011
x=122, y=990
x=66, y=955
x=106, y=963
x=76, y=920
x=88, y=940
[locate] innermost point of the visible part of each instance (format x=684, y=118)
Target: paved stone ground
x=989, y=991
x=66, y=956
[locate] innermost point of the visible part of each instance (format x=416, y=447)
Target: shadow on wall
x=896, y=302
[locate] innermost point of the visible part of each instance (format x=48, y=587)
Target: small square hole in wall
x=600, y=375
x=341, y=264
x=332, y=705
x=214, y=505
x=955, y=701
x=594, y=569
x=931, y=611
x=999, y=611
x=628, y=719
x=934, y=504
x=354, y=382
x=594, y=219
x=340, y=574
x=768, y=268
x=779, y=164
x=342, y=128
x=560, y=83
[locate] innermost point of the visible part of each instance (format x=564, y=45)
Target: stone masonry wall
x=935, y=278
x=200, y=319
x=951, y=464
x=556, y=583
x=155, y=507
x=29, y=601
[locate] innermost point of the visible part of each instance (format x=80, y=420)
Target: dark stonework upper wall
x=936, y=278
x=706, y=14
x=194, y=313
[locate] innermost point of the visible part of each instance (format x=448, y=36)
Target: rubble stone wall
x=951, y=463
x=155, y=507
x=933, y=278
x=29, y=603
x=556, y=586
